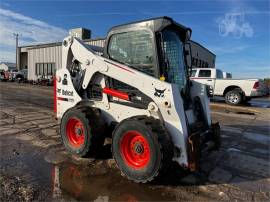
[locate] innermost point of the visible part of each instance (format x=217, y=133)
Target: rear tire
x=142, y=148
x=233, y=97
x=82, y=131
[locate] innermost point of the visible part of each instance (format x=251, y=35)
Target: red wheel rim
x=75, y=132
x=135, y=149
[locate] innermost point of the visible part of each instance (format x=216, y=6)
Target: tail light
x=256, y=85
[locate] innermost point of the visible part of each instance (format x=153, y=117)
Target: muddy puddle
x=99, y=184
x=96, y=180
x=74, y=180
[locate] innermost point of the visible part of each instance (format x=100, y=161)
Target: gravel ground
x=13, y=188
x=35, y=166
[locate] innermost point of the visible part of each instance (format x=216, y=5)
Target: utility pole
x=17, y=38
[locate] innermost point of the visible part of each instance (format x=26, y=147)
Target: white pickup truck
x=235, y=91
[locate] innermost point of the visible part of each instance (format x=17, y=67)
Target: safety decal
x=65, y=82
x=64, y=92
x=121, y=67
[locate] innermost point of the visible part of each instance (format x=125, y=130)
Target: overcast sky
x=238, y=31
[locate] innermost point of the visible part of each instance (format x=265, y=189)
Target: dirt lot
x=35, y=166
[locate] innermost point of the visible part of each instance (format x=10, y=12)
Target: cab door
x=207, y=77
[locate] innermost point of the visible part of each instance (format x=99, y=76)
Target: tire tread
x=92, y=115
x=164, y=141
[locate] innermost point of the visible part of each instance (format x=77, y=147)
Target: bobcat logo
x=159, y=93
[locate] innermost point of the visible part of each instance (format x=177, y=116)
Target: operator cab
x=155, y=47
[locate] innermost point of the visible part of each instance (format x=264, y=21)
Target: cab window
x=134, y=48
x=205, y=73
x=229, y=76
x=219, y=74
x=193, y=73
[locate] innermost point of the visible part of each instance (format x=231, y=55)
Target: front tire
x=142, y=148
x=233, y=97
x=82, y=131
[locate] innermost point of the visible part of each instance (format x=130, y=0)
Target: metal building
x=43, y=59
x=201, y=56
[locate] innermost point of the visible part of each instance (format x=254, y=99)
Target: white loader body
x=168, y=108
x=138, y=93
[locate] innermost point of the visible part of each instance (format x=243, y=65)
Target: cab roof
x=156, y=24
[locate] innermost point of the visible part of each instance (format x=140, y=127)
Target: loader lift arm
x=165, y=107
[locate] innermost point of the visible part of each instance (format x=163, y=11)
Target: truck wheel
x=142, y=148
x=233, y=97
x=82, y=131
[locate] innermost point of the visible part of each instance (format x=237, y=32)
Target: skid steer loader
x=138, y=93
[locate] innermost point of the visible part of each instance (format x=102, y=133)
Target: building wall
x=201, y=56
x=51, y=54
x=43, y=55
x=100, y=43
